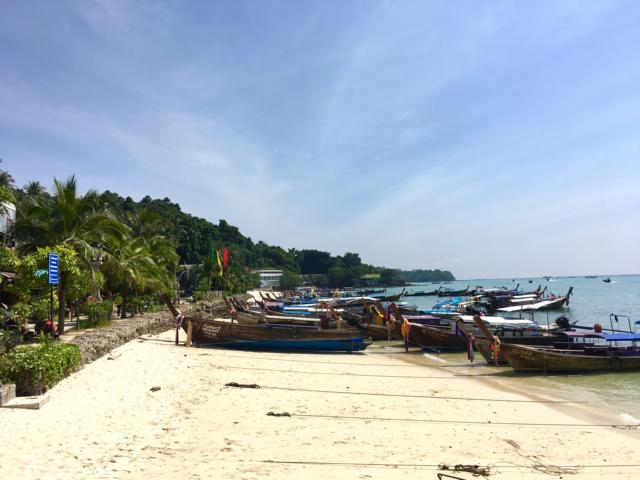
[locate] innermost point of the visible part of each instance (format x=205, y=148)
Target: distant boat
x=422, y=293
x=606, y=280
x=590, y=276
x=547, y=304
x=447, y=292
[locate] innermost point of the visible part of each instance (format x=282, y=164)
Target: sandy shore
x=353, y=416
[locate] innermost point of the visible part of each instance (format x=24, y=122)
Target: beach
x=376, y=414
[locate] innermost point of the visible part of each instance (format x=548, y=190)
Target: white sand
x=104, y=422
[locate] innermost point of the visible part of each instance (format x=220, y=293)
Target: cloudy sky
x=494, y=138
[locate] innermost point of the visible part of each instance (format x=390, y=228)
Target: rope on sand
x=476, y=470
x=433, y=466
x=460, y=422
x=542, y=467
x=398, y=395
x=342, y=374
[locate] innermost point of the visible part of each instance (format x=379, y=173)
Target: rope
x=476, y=470
x=435, y=397
x=428, y=465
x=470, y=422
x=320, y=361
x=341, y=374
x=542, y=467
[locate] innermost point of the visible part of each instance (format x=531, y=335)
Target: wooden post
x=189, y=332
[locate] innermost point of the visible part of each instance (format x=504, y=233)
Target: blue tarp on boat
x=622, y=337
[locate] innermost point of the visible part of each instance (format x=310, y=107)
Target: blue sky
x=496, y=138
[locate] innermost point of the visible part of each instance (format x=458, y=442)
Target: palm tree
x=136, y=264
x=66, y=217
x=34, y=189
x=6, y=180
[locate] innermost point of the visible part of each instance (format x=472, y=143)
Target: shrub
x=34, y=369
x=100, y=312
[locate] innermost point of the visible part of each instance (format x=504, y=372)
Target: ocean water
x=592, y=302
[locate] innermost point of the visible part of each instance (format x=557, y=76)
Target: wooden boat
x=490, y=345
x=267, y=336
x=546, y=304
x=389, y=298
x=588, y=357
x=455, y=335
x=256, y=318
x=454, y=293
x=422, y=293
x=370, y=319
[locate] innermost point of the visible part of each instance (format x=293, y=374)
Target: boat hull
x=484, y=346
x=439, y=339
x=290, y=338
x=524, y=358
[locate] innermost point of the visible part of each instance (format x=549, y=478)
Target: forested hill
x=426, y=275
x=194, y=236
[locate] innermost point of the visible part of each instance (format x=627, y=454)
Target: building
x=7, y=218
x=370, y=279
x=269, y=278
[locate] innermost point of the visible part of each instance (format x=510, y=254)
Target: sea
x=593, y=301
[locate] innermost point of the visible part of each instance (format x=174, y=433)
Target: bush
x=100, y=312
x=34, y=369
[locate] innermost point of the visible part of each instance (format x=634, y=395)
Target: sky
x=492, y=139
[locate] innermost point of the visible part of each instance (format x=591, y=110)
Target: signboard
x=53, y=268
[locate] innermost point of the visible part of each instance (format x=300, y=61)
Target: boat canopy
x=505, y=322
x=622, y=337
x=609, y=337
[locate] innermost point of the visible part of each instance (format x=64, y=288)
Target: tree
x=137, y=265
x=34, y=189
x=290, y=280
x=66, y=217
x=388, y=276
x=6, y=180
x=313, y=261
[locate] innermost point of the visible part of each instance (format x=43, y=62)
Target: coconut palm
x=6, y=180
x=34, y=189
x=136, y=265
x=66, y=217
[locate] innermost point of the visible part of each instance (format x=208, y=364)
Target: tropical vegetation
x=114, y=249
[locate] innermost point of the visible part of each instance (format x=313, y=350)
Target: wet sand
x=379, y=414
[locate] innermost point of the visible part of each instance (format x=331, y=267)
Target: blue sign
x=53, y=268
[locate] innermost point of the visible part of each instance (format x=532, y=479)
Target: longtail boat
x=490, y=344
x=596, y=352
x=447, y=292
x=456, y=335
x=266, y=336
x=422, y=293
x=389, y=298
x=543, y=304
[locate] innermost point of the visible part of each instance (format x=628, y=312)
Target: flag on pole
x=225, y=258
x=220, y=269
x=212, y=253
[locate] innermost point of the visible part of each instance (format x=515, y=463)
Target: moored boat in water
x=453, y=335
x=596, y=352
